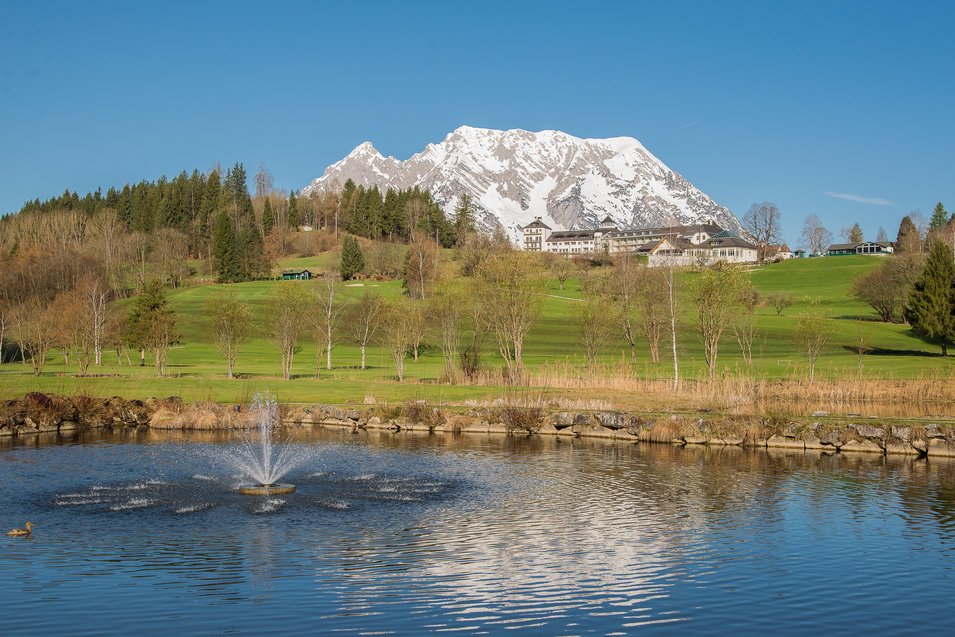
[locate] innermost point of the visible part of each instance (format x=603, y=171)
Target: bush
x=418, y=411
x=520, y=418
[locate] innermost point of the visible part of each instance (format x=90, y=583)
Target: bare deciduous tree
x=289, y=303
x=395, y=335
x=745, y=326
x=764, y=222
x=231, y=325
x=417, y=324
x=445, y=310
x=625, y=290
x=815, y=237
x=327, y=318
x=510, y=291
x=653, y=306
x=812, y=333
x=780, y=301
x=562, y=268
x=95, y=295
x=36, y=333
x=364, y=318
x=716, y=297
x=421, y=267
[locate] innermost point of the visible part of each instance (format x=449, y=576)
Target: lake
x=144, y=533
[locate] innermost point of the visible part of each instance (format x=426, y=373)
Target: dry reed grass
x=745, y=392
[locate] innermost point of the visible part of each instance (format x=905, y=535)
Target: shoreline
x=38, y=413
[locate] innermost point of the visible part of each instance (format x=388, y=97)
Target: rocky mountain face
x=514, y=176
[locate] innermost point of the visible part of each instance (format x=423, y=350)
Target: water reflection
x=476, y=534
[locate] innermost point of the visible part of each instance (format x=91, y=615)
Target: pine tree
x=207, y=209
x=931, y=306
x=293, y=215
x=908, y=238
x=939, y=217
x=855, y=234
x=224, y=257
x=352, y=260
x=268, y=217
x=152, y=324
x=463, y=218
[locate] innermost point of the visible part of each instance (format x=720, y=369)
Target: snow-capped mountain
x=514, y=176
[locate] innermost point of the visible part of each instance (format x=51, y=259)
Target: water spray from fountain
x=259, y=458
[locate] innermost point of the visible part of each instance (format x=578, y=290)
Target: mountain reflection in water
x=412, y=534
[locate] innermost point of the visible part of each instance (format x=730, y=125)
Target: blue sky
x=842, y=109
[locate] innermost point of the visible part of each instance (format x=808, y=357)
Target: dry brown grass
x=745, y=393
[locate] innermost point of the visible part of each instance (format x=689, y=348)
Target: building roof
x=570, y=235
x=536, y=223
x=299, y=271
x=853, y=246
x=728, y=242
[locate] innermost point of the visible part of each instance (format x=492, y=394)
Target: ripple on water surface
x=412, y=535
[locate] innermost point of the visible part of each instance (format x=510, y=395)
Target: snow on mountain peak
x=516, y=175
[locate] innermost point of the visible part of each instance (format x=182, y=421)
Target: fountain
x=259, y=458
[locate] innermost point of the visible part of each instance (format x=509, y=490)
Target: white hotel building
x=682, y=245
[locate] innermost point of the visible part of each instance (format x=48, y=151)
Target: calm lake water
x=474, y=535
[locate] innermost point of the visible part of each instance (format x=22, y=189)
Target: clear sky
x=843, y=109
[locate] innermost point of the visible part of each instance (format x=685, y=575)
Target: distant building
x=607, y=237
x=296, y=275
x=779, y=253
x=536, y=234
x=864, y=247
x=723, y=246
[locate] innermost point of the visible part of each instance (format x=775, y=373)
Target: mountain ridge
x=516, y=175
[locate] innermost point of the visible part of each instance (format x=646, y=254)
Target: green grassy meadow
x=197, y=371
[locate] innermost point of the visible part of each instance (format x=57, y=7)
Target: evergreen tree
x=855, y=234
x=294, y=219
x=224, y=257
x=931, y=307
x=463, y=218
x=908, y=238
x=352, y=260
x=152, y=324
x=939, y=217
x=207, y=208
x=268, y=217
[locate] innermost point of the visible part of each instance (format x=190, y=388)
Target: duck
x=19, y=532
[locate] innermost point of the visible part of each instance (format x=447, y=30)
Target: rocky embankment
x=42, y=413
x=823, y=434
x=38, y=413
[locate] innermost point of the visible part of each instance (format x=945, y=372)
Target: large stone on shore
x=593, y=431
x=933, y=431
x=612, y=419
x=866, y=446
x=901, y=449
x=938, y=447
x=567, y=431
x=547, y=429
x=330, y=421
x=812, y=442
x=785, y=442
x=695, y=440
x=901, y=433
x=624, y=434
x=867, y=431
x=497, y=428
x=562, y=419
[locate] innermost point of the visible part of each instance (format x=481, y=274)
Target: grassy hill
x=197, y=370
